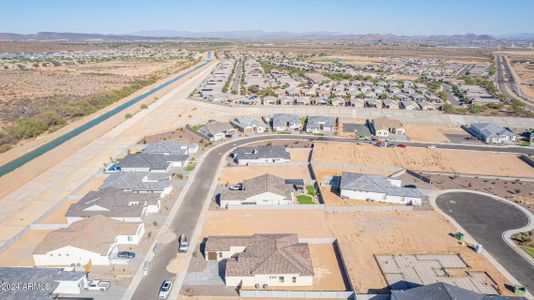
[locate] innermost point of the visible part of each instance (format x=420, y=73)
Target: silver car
x=165, y=289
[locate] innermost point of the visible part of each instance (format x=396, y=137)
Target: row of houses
x=104, y=220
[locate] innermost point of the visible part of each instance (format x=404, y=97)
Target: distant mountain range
x=257, y=35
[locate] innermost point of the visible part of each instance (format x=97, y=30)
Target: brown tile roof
x=95, y=234
x=261, y=184
x=264, y=254
x=386, y=123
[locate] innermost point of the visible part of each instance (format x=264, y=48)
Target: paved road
x=509, y=87
x=486, y=219
x=190, y=209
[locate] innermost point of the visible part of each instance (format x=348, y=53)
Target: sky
x=406, y=17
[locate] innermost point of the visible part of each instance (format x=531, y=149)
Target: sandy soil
x=423, y=159
x=322, y=173
x=231, y=175
x=361, y=236
x=20, y=253
x=333, y=199
x=58, y=215
x=298, y=155
x=431, y=133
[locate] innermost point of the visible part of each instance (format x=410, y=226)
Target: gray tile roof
x=282, y=120
x=247, y=121
x=154, y=162
x=261, y=152
x=362, y=129
x=375, y=183
x=36, y=276
x=264, y=254
x=113, y=201
x=138, y=181
x=315, y=122
x=212, y=128
x=443, y=291
x=261, y=184
x=169, y=147
x=490, y=130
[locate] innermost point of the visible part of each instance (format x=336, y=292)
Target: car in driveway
x=126, y=254
x=165, y=289
x=183, y=243
x=236, y=187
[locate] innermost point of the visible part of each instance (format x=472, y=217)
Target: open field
x=232, y=175
x=38, y=95
x=431, y=133
x=423, y=159
x=361, y=236
x=298, y=155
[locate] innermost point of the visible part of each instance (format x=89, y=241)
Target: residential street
x=190, y=209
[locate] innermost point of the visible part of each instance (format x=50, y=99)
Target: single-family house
x=270, y=100
x=262, y=260
x=377, y=188
x=373, y=102
x=359, y=131
x=40, y=283
x=260, y=155
x=284, y=122
x=426, y=105
x=249, y=124
x=383, y=126
x=265, y=189
x=216, y=131
x=390, y=104
x=492, y=133
x=409, y=105
x=115, y=204
x=171, y=148
x=158, y=163
x=321, y=124
x=94, y=240
x=140, y=182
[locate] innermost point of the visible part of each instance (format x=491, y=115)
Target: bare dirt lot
x=232, y=175
x=360, y=235
x=436, y=134
x=423, y=159
x=20, y=253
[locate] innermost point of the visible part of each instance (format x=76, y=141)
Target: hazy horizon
x=416, y=17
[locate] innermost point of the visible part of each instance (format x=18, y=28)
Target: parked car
x=401, y=145
x=183, y=243
x=411, y=186
x=431, y=146
x=165, y=289
x=97, y=285
x=236, y=187
x=125, y=254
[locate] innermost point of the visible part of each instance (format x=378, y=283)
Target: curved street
x=188, y=214
x=486, y=219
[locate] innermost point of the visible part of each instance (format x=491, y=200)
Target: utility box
x=519, y=290
x=459, y=236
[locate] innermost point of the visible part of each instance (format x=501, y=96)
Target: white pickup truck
x=97, y=285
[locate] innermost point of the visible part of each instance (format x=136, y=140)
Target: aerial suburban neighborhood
x=275, y=152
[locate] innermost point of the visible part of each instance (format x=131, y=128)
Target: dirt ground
x=431, y=133
x=331, y=198
x=232, y=175
x=322, y=172
x=298, y=155
x=58, y=215
x=20, y=253
x=361, y=236
x=423, y=159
